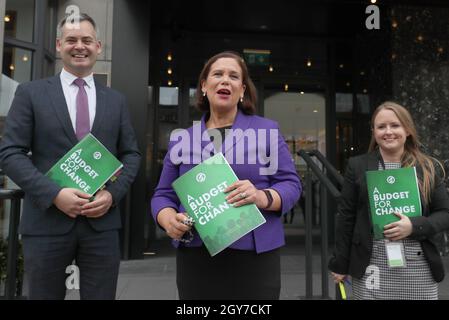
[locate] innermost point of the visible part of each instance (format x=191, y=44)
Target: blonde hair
x=412, y=155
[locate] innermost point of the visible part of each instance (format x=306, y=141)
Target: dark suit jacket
x=39, y=121
x=353, y=223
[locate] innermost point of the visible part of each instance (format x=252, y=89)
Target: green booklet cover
x=393, y=190
x=201, y=191
x=87, y=166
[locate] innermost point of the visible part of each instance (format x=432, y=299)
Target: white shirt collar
x=68, y=78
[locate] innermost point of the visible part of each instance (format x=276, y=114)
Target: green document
x=201, y=191
x=390, y=191
x=87, y=166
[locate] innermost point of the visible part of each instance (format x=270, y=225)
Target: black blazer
x=39, y=121
x=354, y=237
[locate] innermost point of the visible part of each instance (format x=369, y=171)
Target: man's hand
x=98, y=207
x=70, y=201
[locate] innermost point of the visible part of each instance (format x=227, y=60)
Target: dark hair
x=248, y=105
x=81, y=17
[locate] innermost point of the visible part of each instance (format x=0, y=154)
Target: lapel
x=372, y=164
x=100, y=108
x=242, y=122
x=59, y=105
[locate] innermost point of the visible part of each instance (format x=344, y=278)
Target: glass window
x=363, y=103
x=194, y=113
x=17, y=63
x=343, y=102
x=19, y=19
x=168, y=96
x=301, y=118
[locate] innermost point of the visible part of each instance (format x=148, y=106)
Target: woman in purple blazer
x=250, y=267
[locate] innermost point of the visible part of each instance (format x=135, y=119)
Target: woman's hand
x=244, y=192
x=172, y=222
x=400, y=229
x=338, y=277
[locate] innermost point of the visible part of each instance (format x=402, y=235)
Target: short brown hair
x=248, y=105
x=81, y=17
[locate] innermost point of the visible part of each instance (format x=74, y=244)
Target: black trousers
x=97, y=255
x=231, y=274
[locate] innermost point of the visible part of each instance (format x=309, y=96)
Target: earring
x=204, y=93
x=241, y=99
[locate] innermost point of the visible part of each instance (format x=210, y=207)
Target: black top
x=218, y=132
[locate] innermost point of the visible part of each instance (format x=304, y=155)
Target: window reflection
x=301, y=119
x=17, y=63
x=168, y=96
x=19, y=19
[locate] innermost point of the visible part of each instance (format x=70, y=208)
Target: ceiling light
x=7, y=18
x=169, y=71
x=11, y=67
x=302, y=92
x=169, y=83
x=286, y=87
x=309, y=63
x=25, y=58
x=169, y=57
x=373, y=1
x=271, y=69
x=341, y=66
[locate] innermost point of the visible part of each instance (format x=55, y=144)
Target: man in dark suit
x=47, y=118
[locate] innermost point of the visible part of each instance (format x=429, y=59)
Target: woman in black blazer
x=394, y=144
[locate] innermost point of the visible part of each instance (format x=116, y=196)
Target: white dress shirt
x=71, y=91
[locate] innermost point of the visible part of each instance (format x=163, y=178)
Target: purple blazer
x=247, y=158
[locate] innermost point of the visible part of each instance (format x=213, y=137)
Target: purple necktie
x=82, y=110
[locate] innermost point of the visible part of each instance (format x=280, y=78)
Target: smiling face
x=79, y=48
x=389, y=132
x=224, y=84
